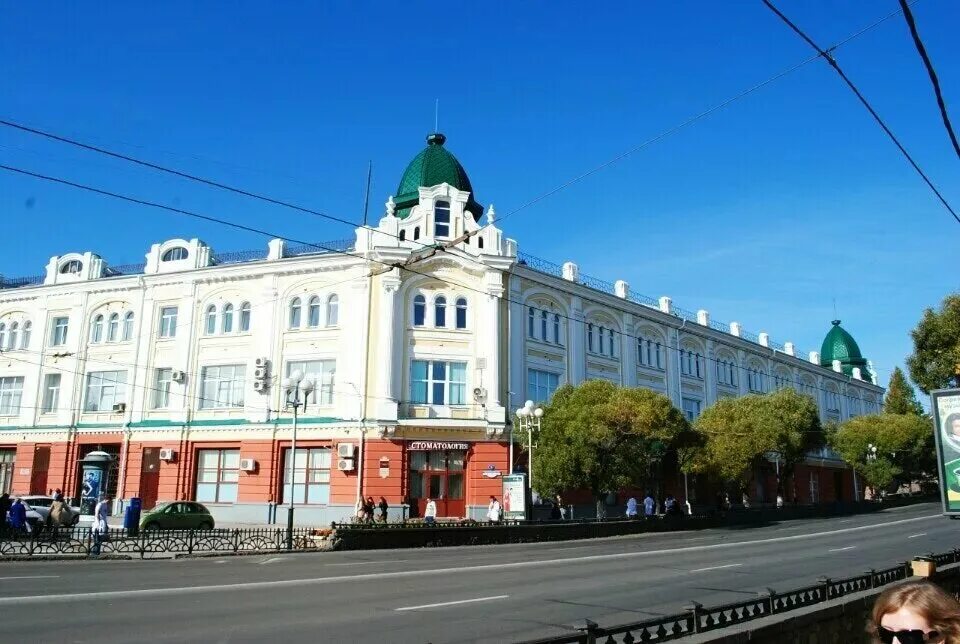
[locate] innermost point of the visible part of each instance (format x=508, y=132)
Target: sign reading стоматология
x=946, y=418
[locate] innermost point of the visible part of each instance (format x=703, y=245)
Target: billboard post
x=945, y=405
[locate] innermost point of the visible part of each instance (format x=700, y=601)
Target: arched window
x=295, y=313
x=590, y=337
x=556, y=328
x=480, y=243
x=440, y=312
x=96, y=329
x=12, y=342
x=403, y=235
x=3, y=333
x=244, y=317
x=25, y=338
x=333, y=310
x=461, y=313
x=313, y=312
x=531, y=320
x=73, y=266
x=210, y=327
x=419, y=310
x=441, y=219
x=174, y=254
x=610, y=339
x=228, y=318
x=600, y=337
x=113, y=327
x=416, y=233
x=543, y=326
x=128, y=326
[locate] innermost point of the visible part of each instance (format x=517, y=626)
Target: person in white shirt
x=430, y=513
x=493, y=510
x=100, y=526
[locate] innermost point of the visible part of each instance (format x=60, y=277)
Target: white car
x=40, y=504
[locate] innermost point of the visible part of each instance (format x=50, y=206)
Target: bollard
x=695, y=609
x=589, y=629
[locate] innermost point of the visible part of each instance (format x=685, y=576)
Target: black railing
x=700, y=619
x=154, y=543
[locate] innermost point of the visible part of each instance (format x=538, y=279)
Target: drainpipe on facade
x=125, y=451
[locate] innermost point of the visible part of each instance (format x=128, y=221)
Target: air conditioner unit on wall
x=346, y=465
x=248, y=464
x=259, y=385
x=120, y=408
x=178, y=376
x=261, y=363
x=260, y=373
x=346, y=450
x=166, y=454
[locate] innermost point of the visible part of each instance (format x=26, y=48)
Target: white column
x=490, y=339
x=577, y=369
x=673, y=368
x=389, y=324
x=710, y=375
x=628, y=352
x=516, y=338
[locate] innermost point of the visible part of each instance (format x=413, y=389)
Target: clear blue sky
x=762, y=213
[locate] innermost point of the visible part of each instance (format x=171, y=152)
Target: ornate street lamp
x=528, y=418
x=297, y=391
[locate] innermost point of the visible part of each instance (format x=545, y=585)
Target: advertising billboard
x=514, y=496
x=946, y=417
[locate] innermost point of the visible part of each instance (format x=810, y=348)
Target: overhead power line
x=908, y=16
x=826, y=55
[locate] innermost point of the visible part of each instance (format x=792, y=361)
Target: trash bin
x=131, y=517
x=923, y=566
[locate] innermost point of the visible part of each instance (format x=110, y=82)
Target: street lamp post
x=529, y=419
x=297, y=390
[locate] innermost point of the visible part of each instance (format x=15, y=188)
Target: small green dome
x=840, y=345
x=433, y=166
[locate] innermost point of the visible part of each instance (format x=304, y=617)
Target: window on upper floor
x=313, y=312
x=222, y=386
x=51, y=393
x=691, y=364
x=174, y=254
x=756, y=380
x=227, y=322
x=650, y=352
x=96, y=329
x=113, y=327
x=104, y=390
x=531, y=322
x=294, y=315
x=72, y=267
x=3, y=334
x=128, y=326
x=419, y=310
x=163, y=381
x=14, y=336
x=416, y=233
x=244, y=317
x=556, y=328
x=438, y=382
x=691, y=408
x=168, y=322
x=25, y=338
x=589, y=337
x=440, y=311
x=832, y=400
x=543, y=325
x=726, y=373
x=480, y=243
x=333, y=310
x=322, y=373
x=210, y=320
x=461, y=313
x=611, y=345
x=541, y=385
x=58, y=331
x=441, y=219
x=600, y=340
x=11, y=392
x=403, y=235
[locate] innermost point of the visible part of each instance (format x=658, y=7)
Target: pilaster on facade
x=673, y=369
x=710, y=374
x=516, y=390
x=388, y=359
x=577, y=356
x=628, y=351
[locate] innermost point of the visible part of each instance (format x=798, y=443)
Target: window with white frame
x=51, y=393
x=221, y=386
x=727, y=373
x=461, y=313
x=128, y=326
x=691, y=364
x=440, y=311
x=650, y=352
x=322, y=372
x=245, y=317
x=441, y=219
x=218, y=471
x=691, y=408
x=589, y=337
x=541, y=385
x=438, y=382
x=174, y=254
x=25, y=338
x=113, y=327
x=419, y=310
x=168, y=322
x=293, y=321
x=58, y=331
x=104, y=390
x=333, y=310
x=756, y=380
x=72, y=267
x=556, y=328
x=11, y=392
x=14, y=336
x=96, y=329
x=313, y=312
x=227, y=321
x=311, y=475
x=210, y=320
x=163, y=380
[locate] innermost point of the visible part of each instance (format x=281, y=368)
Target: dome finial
x=436, y=139
x=835, y=322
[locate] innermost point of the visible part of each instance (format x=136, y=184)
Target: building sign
x=946, y=418
x=425, y=446
x=491, y=472
x=514, y=496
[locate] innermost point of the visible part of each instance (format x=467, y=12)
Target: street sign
x=946, y=419
x=514, y=496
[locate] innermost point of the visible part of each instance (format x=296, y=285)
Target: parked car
x=41, y=505
x=177, y=515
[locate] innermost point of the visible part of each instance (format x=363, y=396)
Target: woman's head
x=916, y=612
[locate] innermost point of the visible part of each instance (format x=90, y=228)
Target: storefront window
x=218, y=471
x=311, y=476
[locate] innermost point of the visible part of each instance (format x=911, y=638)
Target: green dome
x=840, y=345
x=433, y=166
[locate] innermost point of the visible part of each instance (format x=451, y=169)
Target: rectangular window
x=322, y=372
x=168, y=322
x=436, y=382
x=311, y=476
x=222, y=386
x=11, y=391
x=218, y=471
x=541, y=385
x=589, y=337
x=691, y=408
x=441, y=219
x=7, y=458
x=161, y=388
x=51, y=392
x=58, y=331
x=105, y=389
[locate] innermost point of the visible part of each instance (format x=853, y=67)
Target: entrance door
x=7, y=457
x=149, y=477
x=41, y=465
x=438, y=475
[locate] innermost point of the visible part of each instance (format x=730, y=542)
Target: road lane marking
x=366, y=563
x=270, y=560
x=454, y=603
x=400, y=574
x=32, y=577
x=716, y=568
x=919, y=534
x=841, y=549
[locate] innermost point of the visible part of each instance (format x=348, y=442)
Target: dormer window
x=441, y=219
x=174, y=254
x=72, y=267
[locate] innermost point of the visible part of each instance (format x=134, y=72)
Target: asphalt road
x=470, y=594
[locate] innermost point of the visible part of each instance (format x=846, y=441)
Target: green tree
x=602, y=437
x=935, y=362
x=904, y=448
x=901, y=398
x=741, y=433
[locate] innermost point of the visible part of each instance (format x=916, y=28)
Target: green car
x=177, y=515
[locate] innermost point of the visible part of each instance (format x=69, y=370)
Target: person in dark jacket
x=383, y=507
x=5, y=504
x=18, y=516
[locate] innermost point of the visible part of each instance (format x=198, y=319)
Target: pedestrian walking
x=670, y=506
x=58, y=495
x=361, y=510
x=430, y=512
x=632, y=508
x=18, y=517
x=5, y=504
x=101, y=528
x=59, y=516
x=383, y=507
x=649, y=505
x=746, y=501
x=494, y=511
x=368, y=508
x=779, y=501
x=563, y=509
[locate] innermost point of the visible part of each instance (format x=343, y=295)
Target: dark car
x=177, y=515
